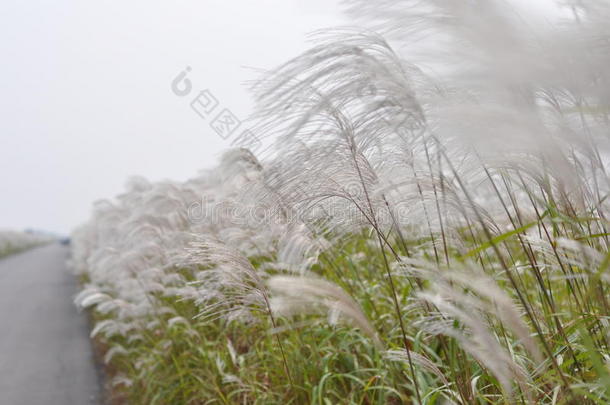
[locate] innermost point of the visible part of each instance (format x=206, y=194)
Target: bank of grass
x=183, y=359
x=13, y=242
x=433, y=235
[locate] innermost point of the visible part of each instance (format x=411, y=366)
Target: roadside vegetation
x=12, y=242
x=430, y=226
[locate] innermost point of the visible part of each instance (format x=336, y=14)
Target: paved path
x=45, y=354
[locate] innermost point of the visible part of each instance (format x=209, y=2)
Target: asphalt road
x=45, y=353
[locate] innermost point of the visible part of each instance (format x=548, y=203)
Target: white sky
x=85, y=97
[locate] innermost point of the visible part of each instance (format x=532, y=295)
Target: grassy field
x=468, y=342
x=430, y=227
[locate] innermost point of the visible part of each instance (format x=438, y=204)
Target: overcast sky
x=86, y=101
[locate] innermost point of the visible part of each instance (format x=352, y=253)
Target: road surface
x=45, y=353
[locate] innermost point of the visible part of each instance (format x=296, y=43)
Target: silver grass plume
x=229, y=286
x=293, y=295
x=462, y=293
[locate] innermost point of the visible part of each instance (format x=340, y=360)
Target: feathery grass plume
x=327, y=149
x=540, y=116
x=470, y=297
x=298, y=250
x=498, y=303
x=229, y=286
x=419, y=359
x=476, y=338
x=294, y=295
